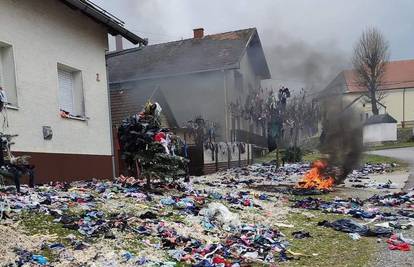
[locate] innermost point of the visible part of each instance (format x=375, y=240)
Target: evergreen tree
x=150, y=151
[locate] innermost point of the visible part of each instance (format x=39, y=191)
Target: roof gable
x=212, y=52
x=398, y=75
x=382, y=118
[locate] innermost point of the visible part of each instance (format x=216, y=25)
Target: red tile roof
x=398, y=75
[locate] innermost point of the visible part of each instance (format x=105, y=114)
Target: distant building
x=52, y=58
x=397, y=87
x=200, y=76
x=379, y=128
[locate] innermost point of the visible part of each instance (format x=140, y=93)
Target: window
x=70, y=91
x=7, y=73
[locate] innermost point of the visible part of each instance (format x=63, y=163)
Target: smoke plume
x=299, y=64
x=341, y=138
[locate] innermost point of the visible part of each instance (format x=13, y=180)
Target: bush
x=405, y=134
x=292, y=154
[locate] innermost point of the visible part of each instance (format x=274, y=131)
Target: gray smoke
x=297, y=59
x=341, y=138
x=297, y=63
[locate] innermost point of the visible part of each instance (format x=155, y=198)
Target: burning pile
x=316, y=177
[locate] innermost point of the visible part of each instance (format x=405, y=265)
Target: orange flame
x=314, y=179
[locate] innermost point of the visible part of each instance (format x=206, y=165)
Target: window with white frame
x=71, y=100
x=7, y=73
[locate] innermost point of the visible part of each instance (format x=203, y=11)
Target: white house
x=397, y=90
x=380, y=128
x=52, y=58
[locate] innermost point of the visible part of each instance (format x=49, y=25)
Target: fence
x=221, y=156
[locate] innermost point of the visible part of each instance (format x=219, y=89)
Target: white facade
x=44, y=34
x=380, y=132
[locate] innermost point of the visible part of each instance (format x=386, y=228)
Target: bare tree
x=370, y=56
x=301, y=115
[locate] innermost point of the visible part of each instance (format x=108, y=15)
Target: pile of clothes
x=385, y=221
x=360, y=178
x=121, y=210
x=264, y=173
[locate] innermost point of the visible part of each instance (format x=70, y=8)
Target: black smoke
x=341, y=138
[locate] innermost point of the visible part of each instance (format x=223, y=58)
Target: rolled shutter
x=65, y=90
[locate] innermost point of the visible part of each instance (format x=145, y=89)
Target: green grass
x=312, y=156
x=133, y=244
x=392, y=145
x=42, y=224
x=270, y=156
x=333, y=248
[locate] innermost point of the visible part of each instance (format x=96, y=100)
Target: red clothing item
x=394, y=243
x=219, y=260
x=159, y=136
x=399, y=246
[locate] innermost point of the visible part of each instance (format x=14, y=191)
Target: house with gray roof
x=199, y=76
x=53, y=71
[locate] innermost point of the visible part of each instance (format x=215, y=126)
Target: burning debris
x=316, y=177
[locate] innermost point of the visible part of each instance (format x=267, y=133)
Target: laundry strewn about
x=206, y=133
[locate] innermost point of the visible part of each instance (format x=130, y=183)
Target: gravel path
x=406, y=154
x=384, y=256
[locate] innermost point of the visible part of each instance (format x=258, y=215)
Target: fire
x=315, y=179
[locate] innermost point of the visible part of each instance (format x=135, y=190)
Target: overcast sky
x=304, y=40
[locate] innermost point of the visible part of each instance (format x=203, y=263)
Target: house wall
x=251, y=82
x=399, y=103
x=198, y=94
x=380, y=132
x=187, y=96
x=43, y=34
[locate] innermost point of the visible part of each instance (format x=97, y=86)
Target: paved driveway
x=406, y=154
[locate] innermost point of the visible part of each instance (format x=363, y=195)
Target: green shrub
x=292, y=154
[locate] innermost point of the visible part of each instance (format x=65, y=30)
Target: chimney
x=118, y=43
x=198, y=33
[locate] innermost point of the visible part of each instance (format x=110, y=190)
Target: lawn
x=392, y=145
x=270, y=156
x=326, y=247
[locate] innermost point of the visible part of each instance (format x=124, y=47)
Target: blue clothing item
x=127, y=256
x=39, y=259
x=167, y=201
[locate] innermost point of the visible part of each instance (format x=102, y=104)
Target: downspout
x=403, y=120
x=225, y=106
x=110, y=122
